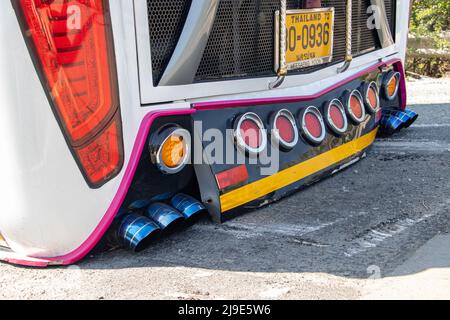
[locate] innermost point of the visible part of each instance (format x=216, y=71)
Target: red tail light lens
x=313, y=126
x=284, y=129
x=355, y=107
x=336, y=118
x=372, y=98
x=251, y=134
x=102, y=157
x=73, y=51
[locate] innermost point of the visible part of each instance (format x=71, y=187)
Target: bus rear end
x=123, y=120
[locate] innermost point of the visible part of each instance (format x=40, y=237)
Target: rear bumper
x=259, y=191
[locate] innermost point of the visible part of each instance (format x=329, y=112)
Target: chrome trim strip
x=192, y=43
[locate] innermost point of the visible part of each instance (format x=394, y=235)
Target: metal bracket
x=283, y=70
x=348, y=38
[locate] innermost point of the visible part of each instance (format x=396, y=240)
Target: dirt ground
x=389, y=240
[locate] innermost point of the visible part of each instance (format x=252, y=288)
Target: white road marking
x=396, y=146
x=374, y=237
x=432, y=125
x=252, y=230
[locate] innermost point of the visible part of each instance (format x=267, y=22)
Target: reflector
x=312, y=125
x=232, y=177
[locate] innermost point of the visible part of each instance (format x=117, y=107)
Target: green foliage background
x=431, y=18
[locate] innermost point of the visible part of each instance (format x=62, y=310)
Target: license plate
x=309, y=38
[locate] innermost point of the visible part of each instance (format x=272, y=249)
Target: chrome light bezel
x=329, y=120
x=367, y=87
x=305, y=131
x=386, y=80
x=158, y=140
x=275, y=133
x=239, y=140
x=355, y=93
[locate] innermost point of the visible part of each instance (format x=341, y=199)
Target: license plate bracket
x=309, y=38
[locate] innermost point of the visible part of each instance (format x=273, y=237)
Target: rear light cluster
x=250, y=133
x=72, y=47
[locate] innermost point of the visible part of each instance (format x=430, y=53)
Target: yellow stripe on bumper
x=298, y=172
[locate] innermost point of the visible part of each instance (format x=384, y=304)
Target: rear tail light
x=372, y=97
x=391, y=84
x=72, y=48
x=284, y=129
x=355, y=107
x=170, y=149
x=249, y=133
x=312, y=125
x=335, y=117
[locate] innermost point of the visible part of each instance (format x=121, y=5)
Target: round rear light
x=335, y=117
x=312, y=125
x=249, y=133
x=372, y=97
x=284, y=129
x=391, y=84
x=170, y=149
x=355, y=107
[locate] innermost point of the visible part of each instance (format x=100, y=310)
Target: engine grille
x=166, y=22
x=241, y=44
